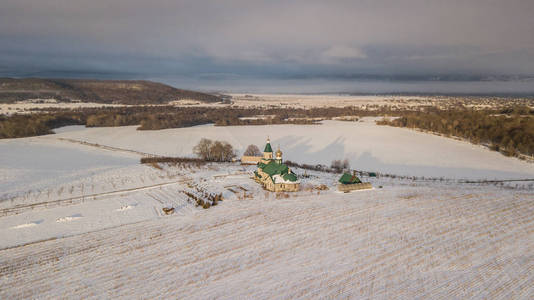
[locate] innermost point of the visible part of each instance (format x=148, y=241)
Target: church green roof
x=273, y=168
x=290, y=177
x=268, y=148
x=347, y=178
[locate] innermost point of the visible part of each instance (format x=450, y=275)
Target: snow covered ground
x=327, y=100
x=368, y=147
x=86, y=221
x=404, y=240
x=34, y=164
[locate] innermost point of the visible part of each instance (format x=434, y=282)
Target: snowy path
x=402, y=242
x=104, y=147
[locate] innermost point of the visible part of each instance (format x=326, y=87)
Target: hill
x=99, y=91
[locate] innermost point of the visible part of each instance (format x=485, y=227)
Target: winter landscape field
x=196, y=149
x=80, y=216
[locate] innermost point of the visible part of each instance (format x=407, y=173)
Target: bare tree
x=337, y=165
x=217, y=151
x=214, y=150
x=203, y=149
x=252, y=150
x=228, y=152
x=346, y=164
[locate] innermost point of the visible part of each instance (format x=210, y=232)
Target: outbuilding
x=350, y=182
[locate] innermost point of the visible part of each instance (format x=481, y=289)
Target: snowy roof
x=287, y=178
x=282, y=171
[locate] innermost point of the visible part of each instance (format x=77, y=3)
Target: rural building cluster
x=276, y=176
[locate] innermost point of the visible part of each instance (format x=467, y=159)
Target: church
x=273, y=174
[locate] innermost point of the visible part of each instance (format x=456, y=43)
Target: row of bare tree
x=209, y=150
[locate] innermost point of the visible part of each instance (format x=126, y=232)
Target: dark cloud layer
x=268, y=38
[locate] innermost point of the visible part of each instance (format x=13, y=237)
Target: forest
x=41, y=122
x=509, y=131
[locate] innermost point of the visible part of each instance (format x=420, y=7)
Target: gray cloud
x=269, y=38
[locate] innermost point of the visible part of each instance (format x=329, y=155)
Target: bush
x=171, y=160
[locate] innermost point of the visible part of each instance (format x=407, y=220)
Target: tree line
x=42, y=121
x=509, y=131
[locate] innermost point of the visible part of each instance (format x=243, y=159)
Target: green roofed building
x=347, y=178
x=350, y=182
x=273, y=174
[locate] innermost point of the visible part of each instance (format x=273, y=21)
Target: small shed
x=347, y=178
x=350, y=182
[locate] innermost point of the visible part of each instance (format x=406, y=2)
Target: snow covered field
x=400, y=241
x=32, y=164
x=368, y=147
x=331, y=100
x=86, y=221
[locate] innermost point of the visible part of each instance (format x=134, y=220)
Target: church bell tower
x=268, y=151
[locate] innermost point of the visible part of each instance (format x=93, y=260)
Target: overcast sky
x=276, y=39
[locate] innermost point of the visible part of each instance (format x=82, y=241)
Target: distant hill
x=100, y=91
